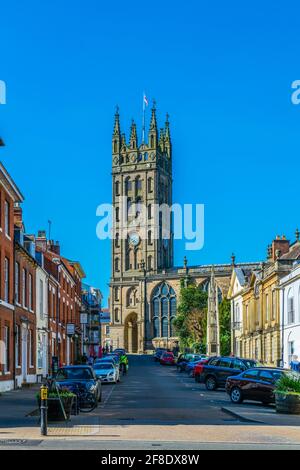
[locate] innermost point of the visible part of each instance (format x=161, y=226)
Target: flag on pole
x=145, y=100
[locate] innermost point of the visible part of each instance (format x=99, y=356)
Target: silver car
x=107, y=372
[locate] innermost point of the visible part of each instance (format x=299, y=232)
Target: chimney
x=54, y=247
x=41, y=240
x=280, y=246
x=18, y=215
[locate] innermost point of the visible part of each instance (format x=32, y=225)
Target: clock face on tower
x=134, y=238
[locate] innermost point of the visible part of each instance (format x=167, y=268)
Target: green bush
x=288, y=383
x=63, y=393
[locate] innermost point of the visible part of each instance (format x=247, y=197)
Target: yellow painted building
x=261, y=338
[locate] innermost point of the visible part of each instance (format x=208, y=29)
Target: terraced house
x=261, y=337
x=9, y=196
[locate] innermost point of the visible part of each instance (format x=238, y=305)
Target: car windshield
x=249, y=363
x=79, y=373
x=104, y=365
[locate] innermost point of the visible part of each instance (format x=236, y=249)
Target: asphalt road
x=156, y=408
x=155, y=394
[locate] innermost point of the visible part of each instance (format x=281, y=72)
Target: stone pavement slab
x=262, y=414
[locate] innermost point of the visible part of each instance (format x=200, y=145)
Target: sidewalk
x=16, y=405
x=261, y=415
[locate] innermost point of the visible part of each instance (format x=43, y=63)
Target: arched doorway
x=131, y=333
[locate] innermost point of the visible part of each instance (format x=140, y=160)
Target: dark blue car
x=80, y=378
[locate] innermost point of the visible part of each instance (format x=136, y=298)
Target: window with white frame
x=291, y=351
x=24, y=278
x=30, y=286
x=267, y=308
x=290, y=307
x=273, y=304
x=6, y=280
x=17, y=282
x=41, y=299
x=6, y=349
x=6, y=217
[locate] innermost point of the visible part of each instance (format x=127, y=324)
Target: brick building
x=64, y=301
x=25, y=307
x=9, y=196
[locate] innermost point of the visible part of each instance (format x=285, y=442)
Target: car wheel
x=211, y=383
x=236, y=395
x=100, y=397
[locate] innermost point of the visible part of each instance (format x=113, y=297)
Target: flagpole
x=144, y=109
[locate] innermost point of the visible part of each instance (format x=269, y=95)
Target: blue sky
x=223, y=70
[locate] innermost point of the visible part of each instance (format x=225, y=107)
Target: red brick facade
x=25, y=316
x=9, y=195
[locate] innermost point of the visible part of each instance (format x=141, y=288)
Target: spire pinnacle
x=133, y=135
x=153, y=123
x=117, y=130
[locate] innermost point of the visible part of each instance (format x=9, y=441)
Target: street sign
x=70, y=329
x=83, y=318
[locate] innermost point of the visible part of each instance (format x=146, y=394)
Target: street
x=154, y=407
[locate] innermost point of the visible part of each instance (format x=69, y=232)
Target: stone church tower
x=144, y=284
x=142, y=181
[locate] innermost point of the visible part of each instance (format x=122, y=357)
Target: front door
x=24, y=352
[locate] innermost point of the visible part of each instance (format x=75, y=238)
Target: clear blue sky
x=223, y=70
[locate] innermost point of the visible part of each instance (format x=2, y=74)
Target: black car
x=255, y=384
x=215, y=373
x=82, y=377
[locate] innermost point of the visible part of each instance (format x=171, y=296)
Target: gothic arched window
x=128, y=185
x=163, y=310
x=150, y=185
x=117, y=315
x=117, y=241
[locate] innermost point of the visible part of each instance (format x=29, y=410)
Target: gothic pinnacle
x=117, y=122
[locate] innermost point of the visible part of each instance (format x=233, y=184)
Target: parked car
x=167, y=358
x=82, y=377
x=107, y=372
x=215, y=373
x=119, y=351
x=199, y=368
x=106, y=359
x=190, y=366
x=254, y=384
x=158, y=353
x=184, y=359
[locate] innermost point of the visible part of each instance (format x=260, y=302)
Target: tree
x=190, y=321
x=225, y=327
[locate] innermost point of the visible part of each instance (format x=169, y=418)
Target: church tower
x=142, y=242
x=142, y=181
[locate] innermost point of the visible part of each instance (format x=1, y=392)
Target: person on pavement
x=124, y=364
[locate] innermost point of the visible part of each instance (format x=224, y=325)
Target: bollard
x=44, y=409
